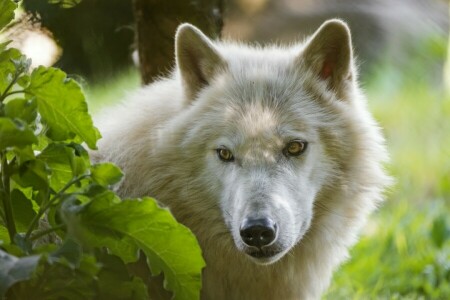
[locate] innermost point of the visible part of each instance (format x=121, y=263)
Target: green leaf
x=106, y=174
x=15, y=269
x=7, y=8
x=33, y=173
x=22, y=64
x=24, y=154
x=23, y=109
x=80, y=162
x=4, y=45
x=65, y=3
x=23, y=243
x=8, y=67
x=440, y=231
x=66, y=161
x=62, y=106
x=4, y=236
x=22, y=210
x=71, y=251
x=126, y=226
x=116, y=283
x=24, y=81
x=15, y=133
x=56, y=278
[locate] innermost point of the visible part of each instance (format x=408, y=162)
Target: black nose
x=258, y=232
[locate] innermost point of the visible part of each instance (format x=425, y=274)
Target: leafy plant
x=63, y=233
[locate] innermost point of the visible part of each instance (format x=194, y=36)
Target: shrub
x=63, y=232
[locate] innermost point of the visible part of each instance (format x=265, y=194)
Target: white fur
x=254, y=100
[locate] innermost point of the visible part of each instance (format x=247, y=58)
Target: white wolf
x=268, y=154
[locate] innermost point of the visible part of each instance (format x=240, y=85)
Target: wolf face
x=270, y=171
x=265, y=142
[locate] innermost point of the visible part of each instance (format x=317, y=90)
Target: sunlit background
x=401, y=45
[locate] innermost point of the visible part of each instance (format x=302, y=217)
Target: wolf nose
x=258, y=232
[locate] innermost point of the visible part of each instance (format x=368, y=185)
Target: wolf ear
x=329, y=54
x=197, y=59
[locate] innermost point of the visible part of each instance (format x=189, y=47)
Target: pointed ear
x=197, y=59
x=329, y=54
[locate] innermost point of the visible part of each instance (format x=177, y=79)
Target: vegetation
x=404, y=252
x=63, y=233
x=50, y=192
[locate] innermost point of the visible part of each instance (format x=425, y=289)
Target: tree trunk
x=156, y=22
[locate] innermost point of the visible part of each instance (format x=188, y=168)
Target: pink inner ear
x=327, y=69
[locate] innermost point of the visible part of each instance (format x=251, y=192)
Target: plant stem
x=45, y=232
x=16, y=92
x=44, y=208
x=6, y=188
x=10, y=85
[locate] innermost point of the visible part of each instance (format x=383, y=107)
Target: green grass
x=111, y=91
x=404, y=251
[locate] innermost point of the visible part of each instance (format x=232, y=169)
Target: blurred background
x=113, y=46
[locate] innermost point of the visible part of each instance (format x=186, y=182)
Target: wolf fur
x=253, y=101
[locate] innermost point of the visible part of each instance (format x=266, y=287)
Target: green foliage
x=63, y=233
x=15, y=269
x=15, y=133
x=6, y=12
x=65, y=3
x=404, y=252
x=62, y=106
x=126, y=226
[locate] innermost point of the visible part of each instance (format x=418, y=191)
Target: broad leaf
x=24, y=154
x=21, y=109
x=7, y=8
x=65, y=161
x=22, y=209
x=33, y=173
x=126, y=226
x=8, y=67
x=24, y=81
x=62, y=106
x=56, y=278
x=71, y=251
x=15, y=269
x=116, y=283
x=15, y=133
x=106, y=174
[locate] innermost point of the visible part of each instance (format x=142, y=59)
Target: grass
x=112, y=90
x=404, y=251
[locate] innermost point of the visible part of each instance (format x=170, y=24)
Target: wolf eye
x=225, y=154
x=295, y=148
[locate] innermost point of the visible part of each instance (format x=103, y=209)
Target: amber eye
x=295, y=148
x=225, y=154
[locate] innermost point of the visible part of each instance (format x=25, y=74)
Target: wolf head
x=269, y=131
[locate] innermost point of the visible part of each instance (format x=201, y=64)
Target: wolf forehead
x=267, y=75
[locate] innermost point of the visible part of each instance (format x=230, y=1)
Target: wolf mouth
x=263, y=253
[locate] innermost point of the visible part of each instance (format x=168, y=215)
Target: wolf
x=268, y=154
